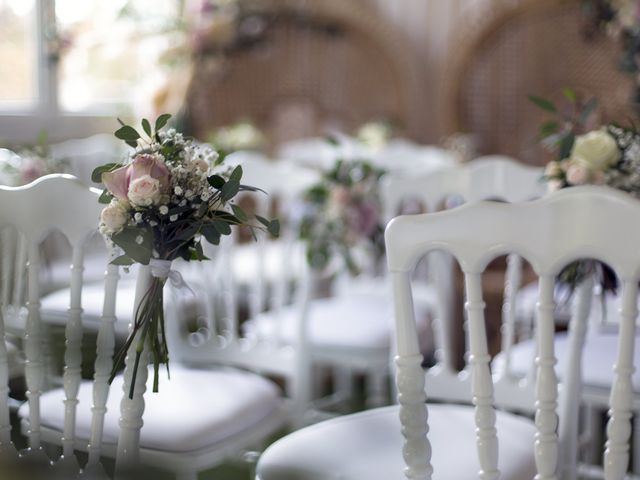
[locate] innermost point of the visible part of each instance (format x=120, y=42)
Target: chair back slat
x=616, y=456
x=103, y=365
x=6, y=445
x=513, y=279
x=482, y=387
x=73, y=352
x=573, y=224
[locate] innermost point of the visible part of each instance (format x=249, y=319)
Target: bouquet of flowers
x=608, y=155
x=240, y=136
x=29, y=163
x=161, y=203
x=342, y=213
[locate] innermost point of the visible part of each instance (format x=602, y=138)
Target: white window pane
x=111, y=60
x=18, y=72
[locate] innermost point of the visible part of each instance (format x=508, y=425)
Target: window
x=18, y=65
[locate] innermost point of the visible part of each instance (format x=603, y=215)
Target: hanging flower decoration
x=29, y=163
x=168, y=197
x=342, y=214
x=607, y=155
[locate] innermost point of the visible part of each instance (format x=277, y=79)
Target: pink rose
x=577, y=174
x=118, y=181
x=365, y=218
x=30, y=169
x=144, y=191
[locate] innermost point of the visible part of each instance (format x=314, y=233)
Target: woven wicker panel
x=299, y=82
x=536, y=48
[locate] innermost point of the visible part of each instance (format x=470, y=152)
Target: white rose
x=553, y=169
x=144, y=191
x=577, y=174
x=596, y=150
x=113, y=217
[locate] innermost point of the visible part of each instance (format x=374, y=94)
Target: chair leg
x=635, y=455
x=343, y=381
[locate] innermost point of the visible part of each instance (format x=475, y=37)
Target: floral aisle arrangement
x=621, y=20
x=342, y=214
x=29, y=163
x=161, y=204
x=239, y=136
x=606, y=155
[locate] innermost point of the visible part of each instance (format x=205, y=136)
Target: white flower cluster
x=626, y=175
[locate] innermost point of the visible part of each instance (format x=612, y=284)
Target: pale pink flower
x=554, y=185
x=31, y=169
x=114, y=216
x=118, y=181
x=577, y=174
x=144, y=191
x=553, y=169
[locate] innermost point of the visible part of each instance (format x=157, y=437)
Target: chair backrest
x=572, y=224
x=245, y=278
x=64, y=204
x=491, y=177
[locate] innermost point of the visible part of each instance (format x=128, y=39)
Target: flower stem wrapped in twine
x=149, y=321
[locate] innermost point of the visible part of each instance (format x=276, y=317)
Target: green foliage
x=543, y=103
x=96, y=175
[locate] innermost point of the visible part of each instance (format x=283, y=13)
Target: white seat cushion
x=599, y=355
x=347, y=321
x=194, y=410
x=368, y=445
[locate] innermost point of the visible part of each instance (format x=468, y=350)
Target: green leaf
x=589, y=107
x=197, y=253
x=146, y=126
x=566, y=145
x=239, y=212
x=221, y=226
x=162, y=120
x=123, y=260
x=121, y=122
x=222, y=155
x=127, y=132
x=211, y=233
x=236, y=175
x=549, y=128
x=542, y=103
x=105, y=196
x=96, y=175
x=216, y=181
x=569, y=94
x=127, y=240
x=274, y=227
x=230, y=189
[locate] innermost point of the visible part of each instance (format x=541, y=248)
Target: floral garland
x=161, y=203
x=343, y=213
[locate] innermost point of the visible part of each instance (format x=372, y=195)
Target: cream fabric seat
x=370, y=447
x=229, y=402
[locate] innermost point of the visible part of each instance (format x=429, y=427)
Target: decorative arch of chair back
x=521, y=48
x=316, y=65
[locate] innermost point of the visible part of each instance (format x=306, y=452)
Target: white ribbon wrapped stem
x=162, y=269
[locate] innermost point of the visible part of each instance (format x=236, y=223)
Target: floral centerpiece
x=607, y=155
x=375, y=135
x=343, y=214
x=162, y=202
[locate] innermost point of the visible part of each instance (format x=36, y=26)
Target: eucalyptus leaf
x=222, y=227
x=127, y=132
x=549, y=128
x=569, y=94
x=274, y=227
x=128, y=238
x=236, y=174
x=162, y=120
x=105, y=196
x=96, y=175
x=239, y=212
x=542, y=103
x=589, y=107
x=123, y=260
x=146, y=126
x=230, y=189
x=216, y=181
x=211, y=234
x=566, y=145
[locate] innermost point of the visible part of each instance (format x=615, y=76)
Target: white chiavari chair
x=437, y=440
x=201, y=417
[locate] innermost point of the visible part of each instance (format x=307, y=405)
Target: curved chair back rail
x=576, y=223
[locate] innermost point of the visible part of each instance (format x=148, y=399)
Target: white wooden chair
x=200, y=417
x=582, y=222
